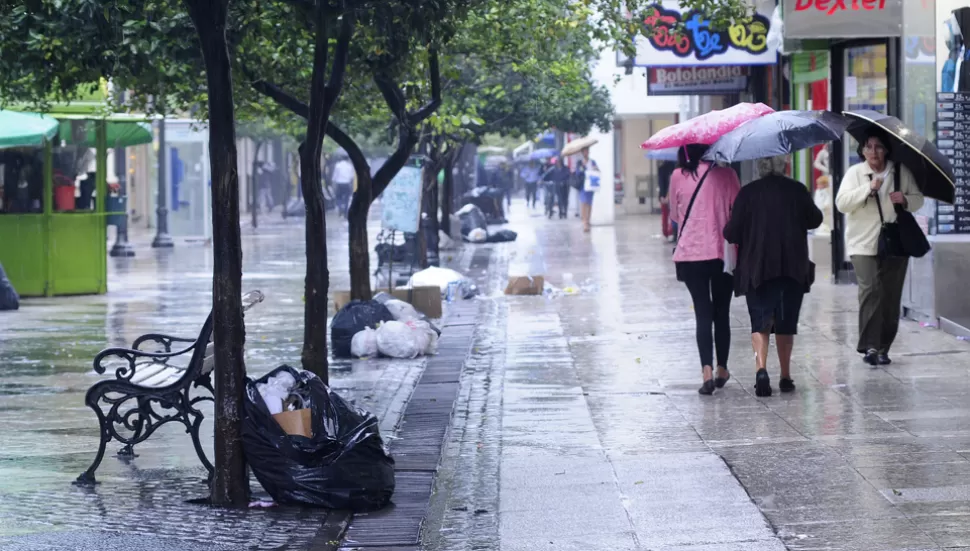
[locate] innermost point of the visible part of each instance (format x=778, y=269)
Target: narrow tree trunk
x=360, y=288
x=230, y=483
x=317, y=273
x=254, y=207
x=447, y=193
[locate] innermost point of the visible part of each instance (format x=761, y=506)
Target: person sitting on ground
x=770, y=223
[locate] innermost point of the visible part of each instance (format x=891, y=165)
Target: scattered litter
x=928, y=325
x=638, y=482
x=446, y=243
x=897, y=492
x=502, y=236
x=962, y=338
x=477, y=235
x=443, y=278
x=481, y=511
x=262, y=504
x=525, y=285
x=638, y=360
x=462, y=508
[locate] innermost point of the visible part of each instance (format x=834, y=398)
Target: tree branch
x=281, y=96
x=357, y=157
x=435, y=75
x=341, y=53
x=393, y=97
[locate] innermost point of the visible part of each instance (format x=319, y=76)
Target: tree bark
x=254, y=207
x=360, y=287
x=230, y=483
x=447, y=192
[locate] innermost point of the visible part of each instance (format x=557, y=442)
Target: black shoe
x=872, y=358
x=786, y=385
x=883, y=358
x=762, y=384
x=707, y=388
x=719, y=382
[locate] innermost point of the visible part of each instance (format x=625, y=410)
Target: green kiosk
x=54, y=198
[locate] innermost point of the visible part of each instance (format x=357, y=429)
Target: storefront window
x=21, y=180
x=919, y=76
x=866, y=87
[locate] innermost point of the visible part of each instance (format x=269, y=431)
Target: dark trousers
x=711, y=290
x=563, y=193
x=342, y=194
x=880, y=296
x=531, y=193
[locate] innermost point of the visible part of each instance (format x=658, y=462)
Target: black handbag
x=904, y=237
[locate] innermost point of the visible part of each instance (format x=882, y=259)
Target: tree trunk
x=447, y=193
x=230, y=483
x=317, y=273
x=254, y=207
x=357, y=214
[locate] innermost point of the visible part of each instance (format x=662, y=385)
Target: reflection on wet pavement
x=48, y=436
x=584, y=430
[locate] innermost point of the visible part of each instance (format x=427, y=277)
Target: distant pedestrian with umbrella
x=701, y=196
x=587, y=173
x=530, y=175
x=868, y=196
x=769, y=223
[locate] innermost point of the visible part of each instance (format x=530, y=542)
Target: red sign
x=831, y=7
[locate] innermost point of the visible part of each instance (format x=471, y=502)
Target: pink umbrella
x=707, y=128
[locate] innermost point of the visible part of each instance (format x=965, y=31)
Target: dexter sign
x=809, y=19
x=675, y=81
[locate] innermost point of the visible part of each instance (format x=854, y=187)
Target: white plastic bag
x=402, y=311
x=275, y=391
x=436, y=277
x=477, y=235
x=397, y=339
x=364, y=344
x=730, y=257
x=445, y=243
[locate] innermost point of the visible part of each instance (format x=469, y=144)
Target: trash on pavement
x=261, y=504
x=441, y=278
x=471, y=218
x=297, y=422
x=352, y=319
x=275, y=390
x=525, y=285
x=364, y=344
x=407, y=340
x=502, y=236
x=446, y=243
x=425, y=299
x=404, y=311
x=343, y=465
x=477, y=235
x=9, y=299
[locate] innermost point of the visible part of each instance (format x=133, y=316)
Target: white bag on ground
x=437, y=277
x=275, y=391
x=364, y=343
x=402, y=311
x=397, y=339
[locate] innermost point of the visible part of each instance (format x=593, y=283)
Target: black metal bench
x=150, y=389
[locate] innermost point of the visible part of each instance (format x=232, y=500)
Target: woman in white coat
x=865, y=188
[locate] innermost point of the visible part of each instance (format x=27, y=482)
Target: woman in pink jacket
x=699, y=256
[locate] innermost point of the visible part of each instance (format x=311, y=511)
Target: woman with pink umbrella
x=701, y=210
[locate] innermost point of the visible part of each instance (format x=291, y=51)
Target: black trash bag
x=9, y=299
x=343, y=466
x=352, y=319
x=501, y=236
x=472, y=217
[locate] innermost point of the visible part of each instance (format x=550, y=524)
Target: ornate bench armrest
x=126, y=372
x=166, y=341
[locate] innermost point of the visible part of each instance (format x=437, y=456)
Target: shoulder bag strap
x=878, y=199
x=692, y=198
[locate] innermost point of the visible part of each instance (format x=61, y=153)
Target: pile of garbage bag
x=343, y=464
x=352, y=319
x=474, y=227
x=408, y=335
x=9, y=299
x=453, y=285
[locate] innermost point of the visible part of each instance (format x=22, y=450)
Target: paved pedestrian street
x=577, y=424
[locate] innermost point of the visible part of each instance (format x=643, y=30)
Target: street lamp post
x=122, y=247
x=162, y=239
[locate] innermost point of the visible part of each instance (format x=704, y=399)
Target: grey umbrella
x=777, y=133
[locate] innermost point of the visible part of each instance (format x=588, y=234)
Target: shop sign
x=807, y=19
x=664, y=45
x=675, y=81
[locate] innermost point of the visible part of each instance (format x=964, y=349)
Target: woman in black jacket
x=769, y=223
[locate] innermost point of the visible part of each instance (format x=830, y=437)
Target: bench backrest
x=249, y=300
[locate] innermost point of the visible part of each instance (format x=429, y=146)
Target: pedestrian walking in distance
x=343, y=183
x=769, y=224
x=700, y=202
x=867, y=188
x=530, y=175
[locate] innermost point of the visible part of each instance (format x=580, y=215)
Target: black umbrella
x=930, y=168
x=777, y=133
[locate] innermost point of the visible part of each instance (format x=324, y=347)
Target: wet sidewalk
x=48, y=436
x=580, y=428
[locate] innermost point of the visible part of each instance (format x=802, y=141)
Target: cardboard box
x=525, y=285
x=426, y=300
x=296, y=422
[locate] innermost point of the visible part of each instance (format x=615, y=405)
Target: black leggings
x=710, y=289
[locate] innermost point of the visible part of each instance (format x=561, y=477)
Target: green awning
x=120, y=134
x=25, y=129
